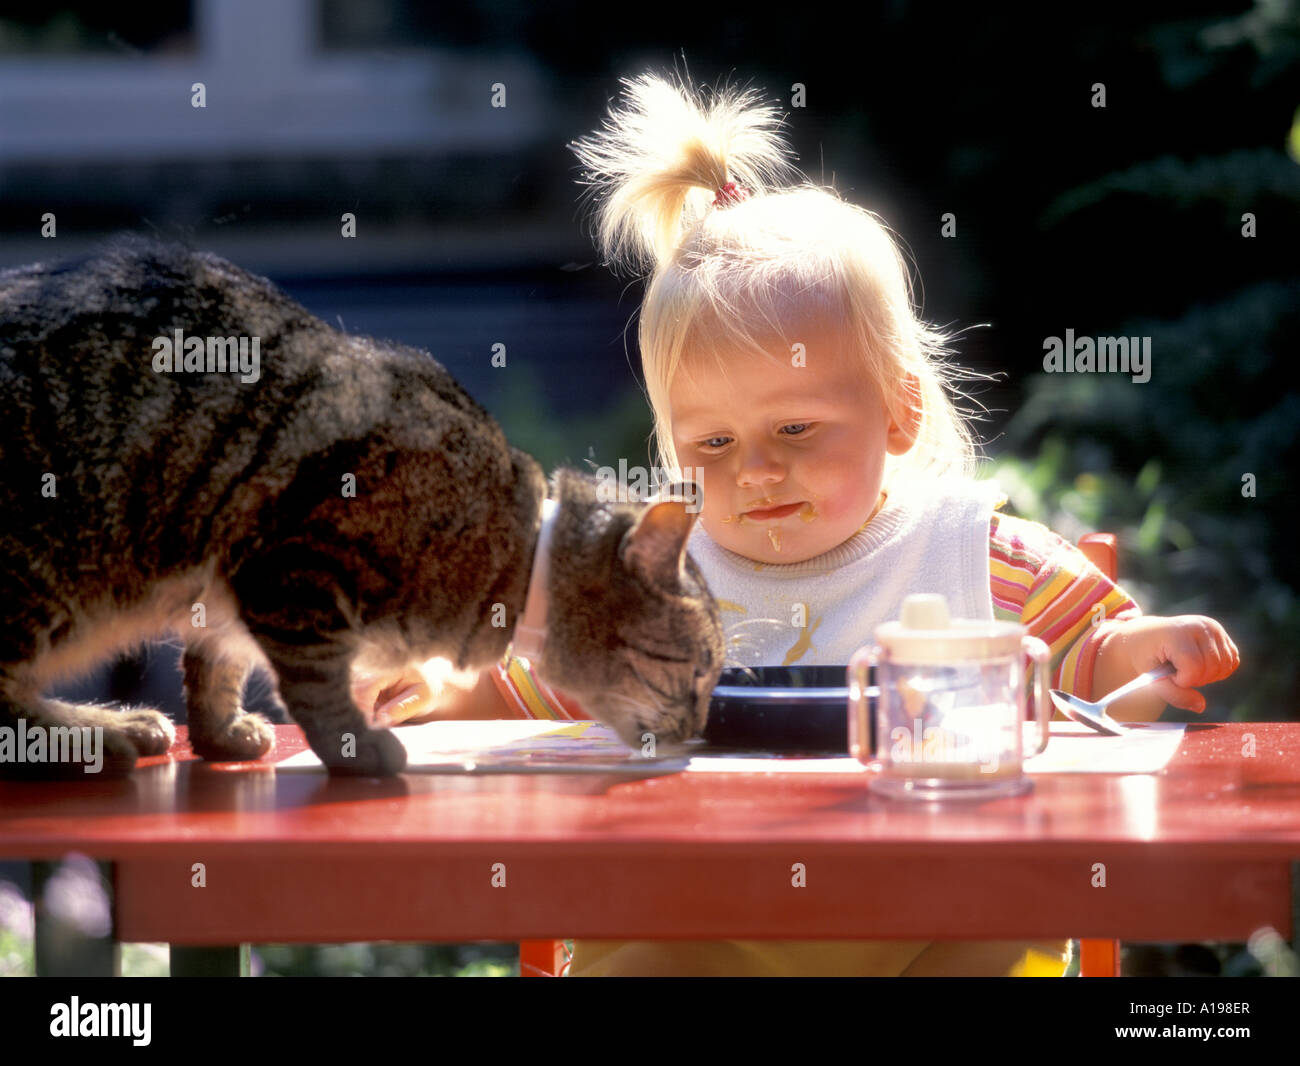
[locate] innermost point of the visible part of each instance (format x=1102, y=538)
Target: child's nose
x=758, y=466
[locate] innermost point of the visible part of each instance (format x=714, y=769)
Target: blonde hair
x=781, y=256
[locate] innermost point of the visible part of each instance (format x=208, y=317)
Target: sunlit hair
x=753, y=276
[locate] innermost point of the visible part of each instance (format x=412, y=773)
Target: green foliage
x=386, y=960
x=306, y=960
x=619, y=428
x=1192, y=469
x=145, y=960
x=17, y=955
x=1240, y=180
x=16, y=959
x=1170, y=467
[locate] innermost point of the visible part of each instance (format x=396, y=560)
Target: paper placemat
x=509, y=746
x=1074, y=748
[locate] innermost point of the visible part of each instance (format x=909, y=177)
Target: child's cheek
x=712, y=501
x=723, y=526
x=713, y=519
x=829, y=508
x=847, y=507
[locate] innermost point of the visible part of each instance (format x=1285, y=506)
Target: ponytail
x=659, y=162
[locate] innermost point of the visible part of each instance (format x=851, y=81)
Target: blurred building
x=310, y=108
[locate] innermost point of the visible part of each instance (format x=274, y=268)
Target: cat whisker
x=749, y=623
x=740, y=650
x=745, y=668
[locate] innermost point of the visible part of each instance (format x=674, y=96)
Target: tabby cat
x=187, y=451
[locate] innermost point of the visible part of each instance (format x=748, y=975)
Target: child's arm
x=408, y=698
x=1046, y=583
x=1198, y=646
x=508, y=689
x=482, y=701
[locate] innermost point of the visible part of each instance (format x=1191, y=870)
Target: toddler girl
x=789, y=373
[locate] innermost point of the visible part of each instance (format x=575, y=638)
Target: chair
x=543, y=958
x=1100, y=958
x=1097, y=958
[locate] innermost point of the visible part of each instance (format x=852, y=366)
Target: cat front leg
x=315, y=684
x=37, y=741
x=220, y=729
x=291, y=603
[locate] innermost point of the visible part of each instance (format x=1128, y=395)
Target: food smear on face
x=766, y=514
x=775, y=538
x=808, y=512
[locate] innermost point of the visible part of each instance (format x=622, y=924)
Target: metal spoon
x=1094, y=714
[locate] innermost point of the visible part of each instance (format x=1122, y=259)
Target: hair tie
x=729, y=194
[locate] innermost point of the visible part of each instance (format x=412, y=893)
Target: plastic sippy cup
x=950, y=711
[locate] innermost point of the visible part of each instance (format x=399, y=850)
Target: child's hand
x=1199, y=647
x=389, y=699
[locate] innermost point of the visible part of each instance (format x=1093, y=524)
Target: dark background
x=1124, y=220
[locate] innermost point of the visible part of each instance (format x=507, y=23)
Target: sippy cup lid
x=925, y=610
x=925, y=633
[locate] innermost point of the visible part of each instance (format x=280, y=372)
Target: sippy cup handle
x=1041, y=654
x=860, y=746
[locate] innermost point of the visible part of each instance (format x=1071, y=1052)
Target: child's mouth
x=774, y=512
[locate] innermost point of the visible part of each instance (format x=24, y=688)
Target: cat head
x=632, y=632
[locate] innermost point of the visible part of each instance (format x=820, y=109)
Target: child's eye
x=795, y=429
x=716, y=442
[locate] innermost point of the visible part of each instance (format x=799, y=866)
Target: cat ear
x=688, y=491
x=655, y=547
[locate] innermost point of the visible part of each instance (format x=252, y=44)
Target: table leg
x=210, y=962
x=63, y=946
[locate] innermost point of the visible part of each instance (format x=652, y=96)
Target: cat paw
x=377, y=754
x=150, y=732
x=247, y=737
x=109, y=755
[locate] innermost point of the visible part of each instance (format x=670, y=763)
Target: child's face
x=792, y=457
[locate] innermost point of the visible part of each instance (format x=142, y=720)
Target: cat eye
x=660, y=658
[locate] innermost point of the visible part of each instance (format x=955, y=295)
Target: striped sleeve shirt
x=1036, y=578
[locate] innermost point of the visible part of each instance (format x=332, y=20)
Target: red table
x=1206, y=850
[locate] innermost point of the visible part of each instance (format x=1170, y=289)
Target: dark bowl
x=787, y=709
